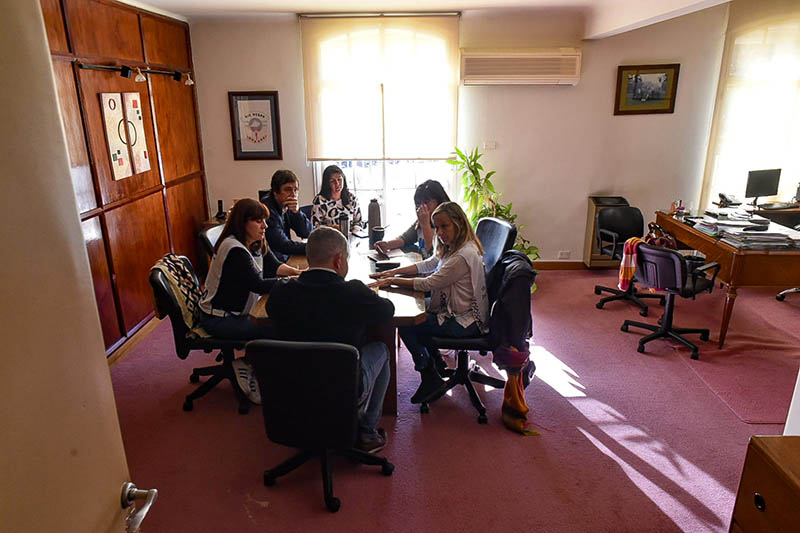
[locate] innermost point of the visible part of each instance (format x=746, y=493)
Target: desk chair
x=209, y=237
x=615, y=225
x=306, y=210
x=662, y=268
x=177, y=293
x=781, y=296
x=509, y=287
x=309, y=395
x=496, y=237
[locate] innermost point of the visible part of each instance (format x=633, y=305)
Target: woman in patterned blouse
x=333, y=200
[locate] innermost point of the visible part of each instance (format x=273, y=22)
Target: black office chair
x=781, y=296
x=509, y=287
x=615, y=225
x=306, y=210
x=177, y=293
x=666, y=269
x=209, y=237
x=496, y=237
x=309, y=395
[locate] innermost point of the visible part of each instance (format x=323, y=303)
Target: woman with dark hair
x=427, y=197
x=237, y=277
x=333, y=200
x=459, y=304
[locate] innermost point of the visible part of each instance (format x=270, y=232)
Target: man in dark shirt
x=284, y=216
x=321, y=306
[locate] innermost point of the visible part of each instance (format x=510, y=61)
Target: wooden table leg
x=730, y=299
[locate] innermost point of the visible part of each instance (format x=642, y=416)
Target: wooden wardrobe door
x=177, y=129
x=101, y=278
x=54, y=24
x=103, y=29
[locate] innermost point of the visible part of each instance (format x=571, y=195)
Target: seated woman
x=236, y=278
x=427, y=197
x=459, y=305
x=333, y=200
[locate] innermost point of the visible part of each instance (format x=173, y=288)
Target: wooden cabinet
x=129, y=223
x=769, y=491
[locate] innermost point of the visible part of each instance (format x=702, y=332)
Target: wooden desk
x=769, y=489
x=738, y=268
x=409, y=308
x=785, y=217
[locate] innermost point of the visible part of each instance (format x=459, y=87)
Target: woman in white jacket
x=459, y=305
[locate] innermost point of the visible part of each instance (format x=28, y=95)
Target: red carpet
x=629, y=441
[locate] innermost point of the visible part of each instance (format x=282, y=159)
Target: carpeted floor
x=628, y=441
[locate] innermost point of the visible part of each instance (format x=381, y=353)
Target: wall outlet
x=489, y=145
x=563, y=254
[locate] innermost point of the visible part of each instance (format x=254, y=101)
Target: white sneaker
x=247, y=380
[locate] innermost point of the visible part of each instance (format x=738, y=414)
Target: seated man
x=321, y=306
x=284, y=216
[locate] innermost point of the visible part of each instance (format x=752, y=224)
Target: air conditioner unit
x=554, y=66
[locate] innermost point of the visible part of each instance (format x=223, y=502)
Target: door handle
x=129, y=496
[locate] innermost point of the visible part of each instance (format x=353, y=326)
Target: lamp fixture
x=189, y=80
x=139, y=76
x=124, y=71
x=177, y=75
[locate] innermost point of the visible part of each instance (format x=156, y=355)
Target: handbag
x=658, y=236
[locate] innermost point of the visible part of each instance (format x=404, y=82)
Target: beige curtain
x=380, y=87
x=757, y=113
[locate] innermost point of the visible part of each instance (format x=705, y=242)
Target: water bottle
x=373, y=220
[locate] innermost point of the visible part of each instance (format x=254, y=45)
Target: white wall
x=793, y=417
x=558, y=145
x=256, y=53
x=555, y=145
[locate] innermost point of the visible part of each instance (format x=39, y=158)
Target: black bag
x=658, y=236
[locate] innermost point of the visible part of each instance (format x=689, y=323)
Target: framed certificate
x=255, y=125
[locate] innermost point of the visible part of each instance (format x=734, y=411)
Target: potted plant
x=482, y=200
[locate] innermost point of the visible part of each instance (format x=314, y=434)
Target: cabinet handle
x=760, y=502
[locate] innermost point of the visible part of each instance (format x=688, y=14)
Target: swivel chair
x=496, y=237
x=209, y=237
x=509, y=287
x=306, y=210
x=309, y=396
x=615, y=225
x=177, y=293
x=666, y=269
x=781, y=296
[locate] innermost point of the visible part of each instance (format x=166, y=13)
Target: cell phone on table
x=380, y=266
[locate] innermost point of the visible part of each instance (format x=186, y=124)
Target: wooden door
x=61, y=454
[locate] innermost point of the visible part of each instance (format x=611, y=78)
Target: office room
x=615, y=439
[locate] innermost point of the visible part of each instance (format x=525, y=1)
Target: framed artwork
x=116, y=138
x=644, y=89
x=255, y=125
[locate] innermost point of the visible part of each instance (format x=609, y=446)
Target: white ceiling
x=602, y=18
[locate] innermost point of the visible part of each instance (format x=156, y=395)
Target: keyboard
x=778, y=205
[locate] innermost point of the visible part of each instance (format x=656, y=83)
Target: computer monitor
x=762, y=183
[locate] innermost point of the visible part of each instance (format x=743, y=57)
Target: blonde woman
x=459, y=306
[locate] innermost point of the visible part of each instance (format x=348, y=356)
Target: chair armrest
x=610, y=236
x=697, y=272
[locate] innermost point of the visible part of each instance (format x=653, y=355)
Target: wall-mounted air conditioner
x=552, y=66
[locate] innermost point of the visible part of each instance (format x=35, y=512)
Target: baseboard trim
x=131, y=342
x=559, y=265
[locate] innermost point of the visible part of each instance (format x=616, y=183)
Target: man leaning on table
x=321, y=306
x=284, y=215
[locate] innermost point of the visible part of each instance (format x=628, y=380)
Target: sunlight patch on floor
x=560, y=377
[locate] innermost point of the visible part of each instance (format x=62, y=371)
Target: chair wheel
x=187, y=405
x=624, y=327
x=269, y=479
x=333, y=504
x=597, y=291
x=695, y=356
x=640, y=349
x=704, y=336
x=194, y=378
x=482, y=419
x=387, y=469
x=780, y=297
x=599, y=305
x=643, y=312
x=243, y=409
x=424, y=409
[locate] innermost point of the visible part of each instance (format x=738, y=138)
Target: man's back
x=321, y=306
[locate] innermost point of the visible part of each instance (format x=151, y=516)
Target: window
x=757, y=122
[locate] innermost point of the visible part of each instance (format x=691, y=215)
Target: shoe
x=438, y=360
x=373, y=443
x=431, y=382
x=246, y=380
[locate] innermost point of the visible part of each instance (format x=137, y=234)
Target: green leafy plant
x=482, y=200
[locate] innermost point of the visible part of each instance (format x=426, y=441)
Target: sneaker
x=246, y=380
x=372, y=443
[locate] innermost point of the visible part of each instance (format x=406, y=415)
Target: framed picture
x=255, y=125
x=643, y=89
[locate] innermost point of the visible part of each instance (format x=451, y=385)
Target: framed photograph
x=255, y=125
x=643, y=89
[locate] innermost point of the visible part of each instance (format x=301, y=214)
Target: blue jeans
x=375, y=374
x=414, y=336
x=234, y=327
